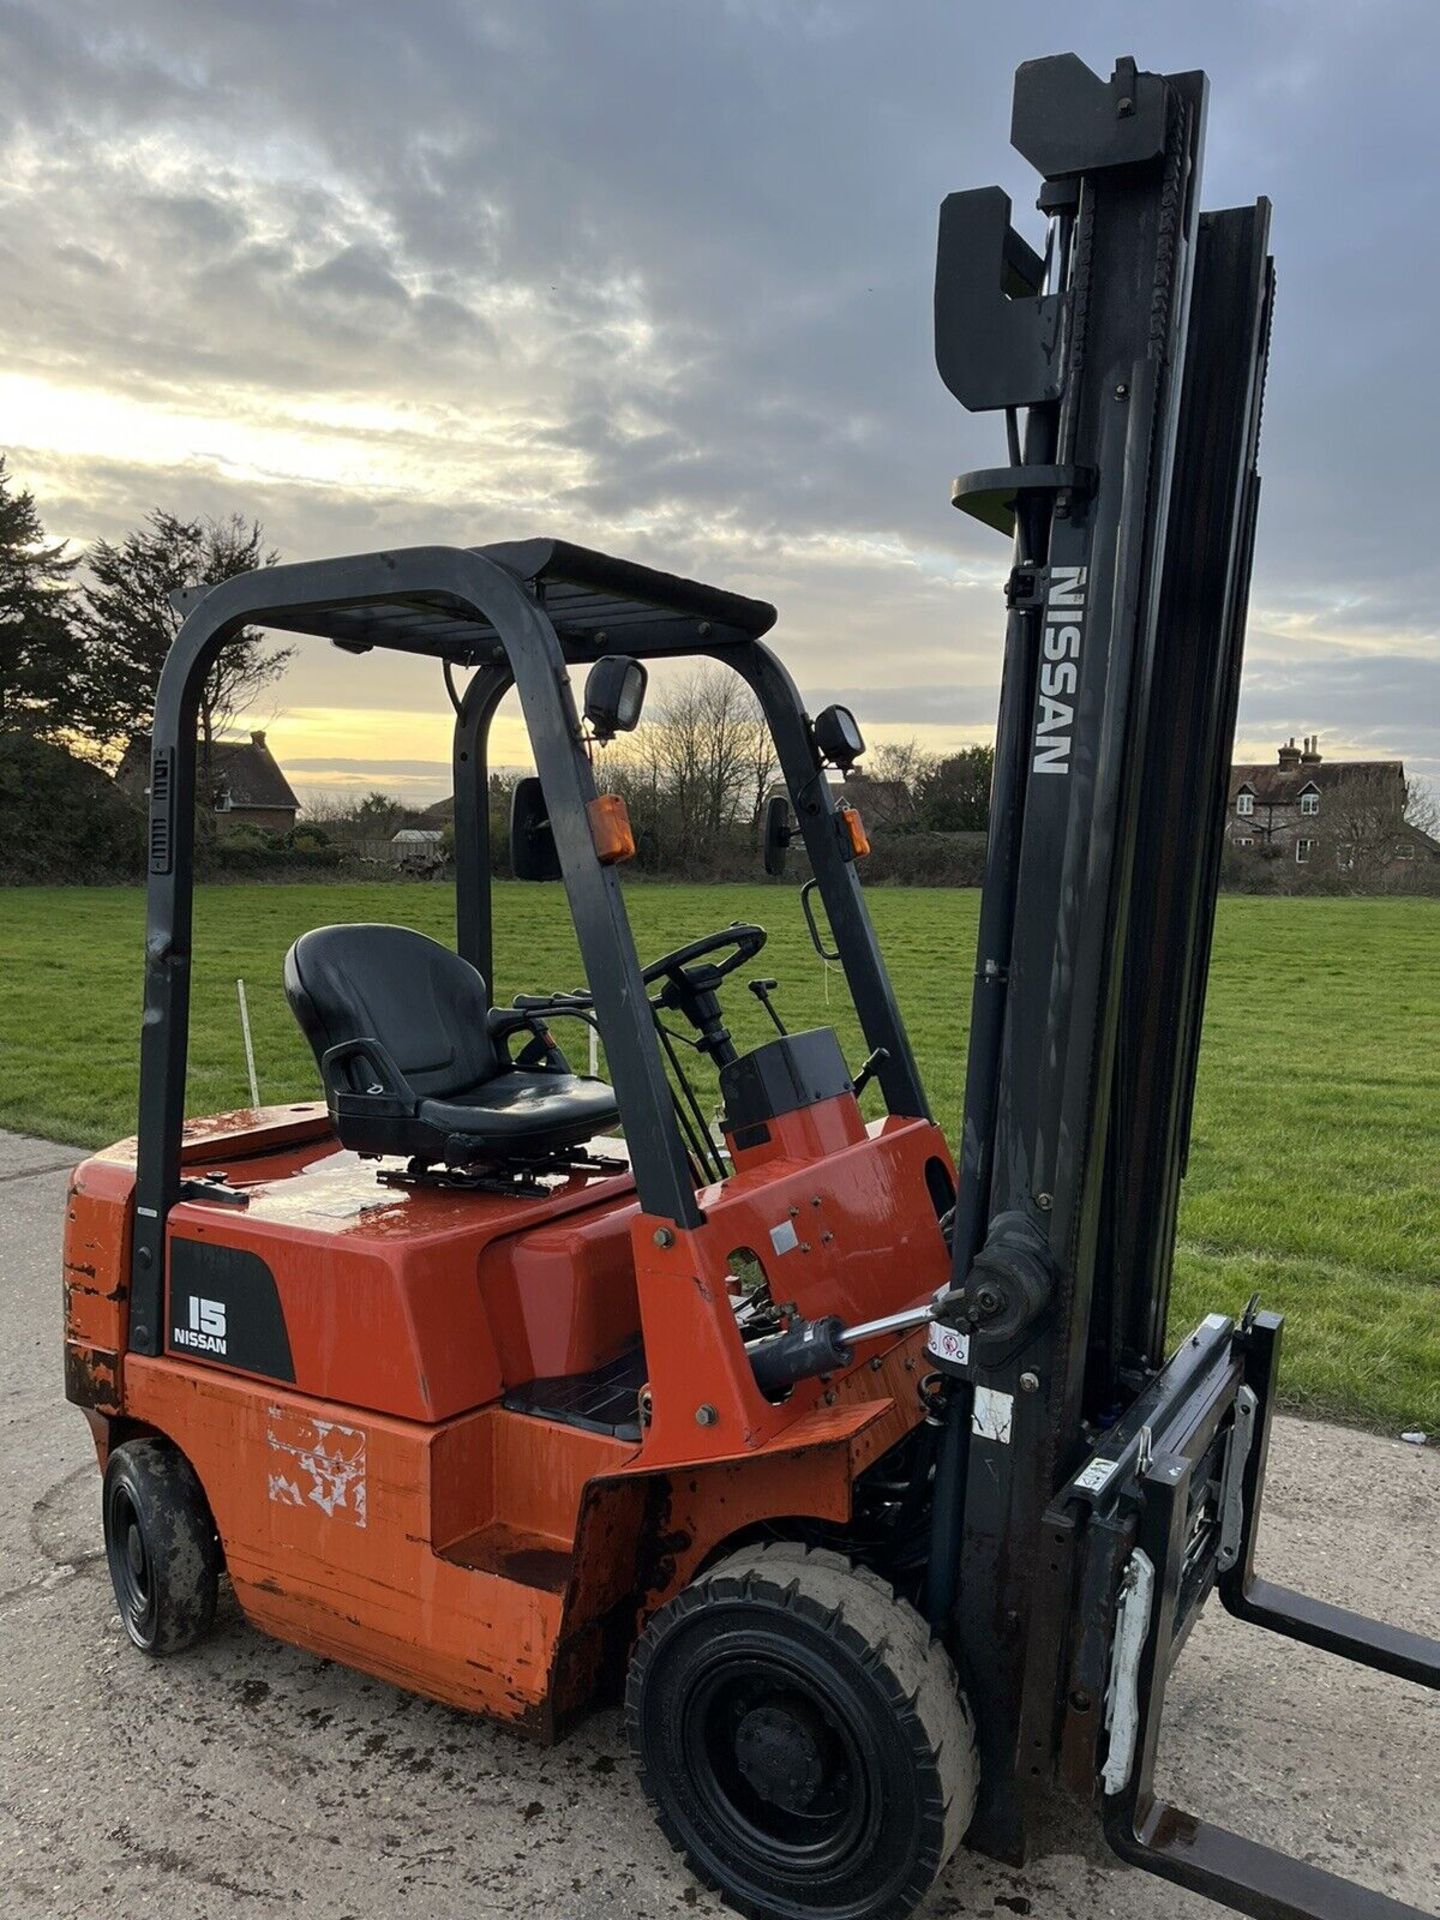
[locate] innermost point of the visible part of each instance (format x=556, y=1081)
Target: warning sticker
x=784, y=1238
x=1096, y=1475
x=993, y=1415
x=948, y=1343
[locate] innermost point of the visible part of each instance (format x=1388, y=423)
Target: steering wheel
x=747, y=941
x=689, y=983
x=688, y=987
x=673, y=967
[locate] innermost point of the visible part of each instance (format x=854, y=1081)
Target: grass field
x=1315, y=1168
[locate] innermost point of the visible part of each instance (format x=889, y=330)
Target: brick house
x=250, y=788
x=1305, y=809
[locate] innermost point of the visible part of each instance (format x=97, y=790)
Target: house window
x=1303, y=851
x=1404, y=851
x=1309, y=803
x=1245, y=803
x=1245, y=841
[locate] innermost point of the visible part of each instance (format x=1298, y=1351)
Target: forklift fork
x=1197, y=1491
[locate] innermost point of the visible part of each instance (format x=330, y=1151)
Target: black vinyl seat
x=412, y=1055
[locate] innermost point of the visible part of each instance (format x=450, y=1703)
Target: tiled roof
x=1278, y=786
x=246, y=770
x=250, y=774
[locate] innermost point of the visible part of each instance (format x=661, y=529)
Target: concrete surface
x=246, y=1778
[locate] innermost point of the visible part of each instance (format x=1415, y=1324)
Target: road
x=247, y=1778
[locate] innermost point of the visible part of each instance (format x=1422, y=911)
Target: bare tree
x=1422, y=808
x=1364, y=818
x=697, y=767
x=886, y=783
x=326, y=806
x=902, y=760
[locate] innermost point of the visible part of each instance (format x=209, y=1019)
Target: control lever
x=809, y=1347
x=762, y=990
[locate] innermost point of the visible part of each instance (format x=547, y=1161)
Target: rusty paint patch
x=92, y=1377
x=526, y=1559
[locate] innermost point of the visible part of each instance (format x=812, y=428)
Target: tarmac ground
x=245, y=1777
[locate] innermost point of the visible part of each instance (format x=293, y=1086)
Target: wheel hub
x=779, y=1756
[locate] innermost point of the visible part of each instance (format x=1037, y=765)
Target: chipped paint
x=316, y=1463
x=92, y=1377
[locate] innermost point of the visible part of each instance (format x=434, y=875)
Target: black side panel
x=783, y=1075
x=224, y=1308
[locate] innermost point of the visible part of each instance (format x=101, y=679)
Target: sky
x=655, y=275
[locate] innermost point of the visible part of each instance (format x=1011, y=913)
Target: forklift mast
x=1091, y=1493
x=1135, y=348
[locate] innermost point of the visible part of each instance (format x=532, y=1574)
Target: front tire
x=802, y=1739
x=161, y=1545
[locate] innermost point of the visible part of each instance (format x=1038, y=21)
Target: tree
x=1364, y=819
x=1422, y=808
x=378, y=816
x=129, y=623
x=884, y=785
x=697, y=767
x=39, y=649
x=953, y=795
x=904, y=761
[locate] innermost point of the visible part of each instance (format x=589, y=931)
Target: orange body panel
x=847, y=1233
x=385, y=1508
x=325, y=1515
x=98, y=1219
x=393, y=1296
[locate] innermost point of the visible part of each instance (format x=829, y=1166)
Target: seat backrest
x=424, y=1004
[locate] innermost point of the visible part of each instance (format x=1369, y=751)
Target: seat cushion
x=520, y=1110
x=424, y=1004
x=450, y=1093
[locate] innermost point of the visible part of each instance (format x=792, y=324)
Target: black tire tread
x=180, y=1537
x=860, y=1609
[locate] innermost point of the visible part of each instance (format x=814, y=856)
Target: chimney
x=1289, y=755
x=257, y=738
x=1311, y=755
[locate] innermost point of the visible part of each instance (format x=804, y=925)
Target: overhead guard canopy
x=596, y=603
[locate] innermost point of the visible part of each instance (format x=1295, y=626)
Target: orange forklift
x=872, y=1492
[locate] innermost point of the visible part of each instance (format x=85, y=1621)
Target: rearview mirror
x=615, y=695
x=778, y=834
x=532, y=839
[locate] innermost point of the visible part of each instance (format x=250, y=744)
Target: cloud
x=658, y=279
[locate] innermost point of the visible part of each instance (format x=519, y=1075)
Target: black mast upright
x=1131, y=511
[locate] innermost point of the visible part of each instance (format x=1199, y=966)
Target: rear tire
x=802, y=1739
x=161, y=1545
